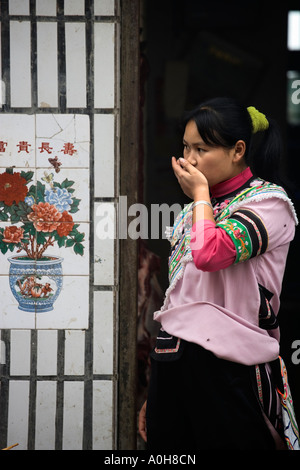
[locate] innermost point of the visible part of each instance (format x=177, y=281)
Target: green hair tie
x=259, y=120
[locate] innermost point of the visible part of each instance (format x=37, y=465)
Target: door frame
x=128, y=248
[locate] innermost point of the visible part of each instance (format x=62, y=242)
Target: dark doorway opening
x=192, y=50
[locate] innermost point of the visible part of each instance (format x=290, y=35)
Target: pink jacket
x=214, y=298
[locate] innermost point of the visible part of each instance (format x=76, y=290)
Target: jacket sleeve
x=212, y=248
x=250, y=231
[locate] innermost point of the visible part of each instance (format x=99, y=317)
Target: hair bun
x=259, y=120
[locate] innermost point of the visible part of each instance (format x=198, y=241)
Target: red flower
x=45, y=217
x=13, y=234
x=12, y=188
x=66, y=224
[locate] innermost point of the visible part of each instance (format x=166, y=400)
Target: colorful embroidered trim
x=263, y=191
x=180, y=242
x=168, y=350
x=259, y=385
x=291, y=432
x=247, y=232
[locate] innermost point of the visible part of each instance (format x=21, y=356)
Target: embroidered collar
x=230, y=186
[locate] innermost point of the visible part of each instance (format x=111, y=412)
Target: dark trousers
x=200, y=402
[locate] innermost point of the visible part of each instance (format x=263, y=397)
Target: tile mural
x=44, y=221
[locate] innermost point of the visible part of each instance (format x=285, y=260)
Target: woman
x=213, y=368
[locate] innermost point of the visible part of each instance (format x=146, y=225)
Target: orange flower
x=66, y=224
x=13, y=234
x=45, y=217
x=12, y=188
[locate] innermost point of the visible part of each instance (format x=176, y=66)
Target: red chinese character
x=2, y=145
x=45, y=146
x=69, y=149
x=23, y=146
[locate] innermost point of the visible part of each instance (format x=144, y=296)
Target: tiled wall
x=58, y=173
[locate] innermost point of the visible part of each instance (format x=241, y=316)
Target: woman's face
x=216, y=163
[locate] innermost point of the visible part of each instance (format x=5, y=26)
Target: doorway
x=194, y=50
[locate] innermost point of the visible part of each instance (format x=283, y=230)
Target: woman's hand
x=142, y=422
x=193, y=183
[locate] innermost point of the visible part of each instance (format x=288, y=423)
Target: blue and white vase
x=36, y=284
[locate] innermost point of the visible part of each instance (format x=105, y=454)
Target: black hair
x=223, y=121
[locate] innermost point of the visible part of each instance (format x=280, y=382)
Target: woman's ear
x=239, y=150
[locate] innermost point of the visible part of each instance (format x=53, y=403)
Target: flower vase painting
x=42, y=230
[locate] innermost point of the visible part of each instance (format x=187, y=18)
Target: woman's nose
x=191, y=158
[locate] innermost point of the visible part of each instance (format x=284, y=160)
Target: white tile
x=74, y=7
x=2, y=351
x=46, y=7
x=104, y=243
x=104, y=65
x=18, y=7
x=45, y=415
x=103, y=332
x=20, y=64
x=73, y=415
x=104, y=7
x=47, y=67
x=102, y=415
x=20, y=352
x=75, y=65
x=74, y=352
x=104, y=151
x=18, y=410
x=17, y=141
x=47, y=352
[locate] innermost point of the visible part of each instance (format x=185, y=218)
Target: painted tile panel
x=71, y=308
x=44, y=219
x=64, y=138
x=17, y=140
x=10, y=315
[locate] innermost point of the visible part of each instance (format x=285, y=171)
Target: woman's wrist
x=202, y=195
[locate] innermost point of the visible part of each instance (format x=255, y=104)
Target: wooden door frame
x=128, y=248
